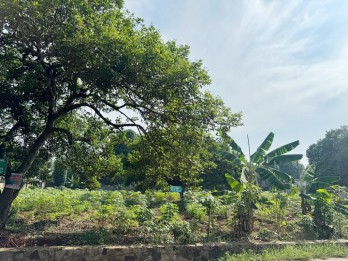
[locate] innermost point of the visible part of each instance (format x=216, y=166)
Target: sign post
x=3, y=165
x=14, y=181
x=176, y=189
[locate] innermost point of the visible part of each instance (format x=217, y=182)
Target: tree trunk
x=8, y=195
x=306, y=208
x=245, y=223
x=6, y=198
x=209, y=221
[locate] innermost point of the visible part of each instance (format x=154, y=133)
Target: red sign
x=14, y=181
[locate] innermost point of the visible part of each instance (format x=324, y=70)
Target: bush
x=134, y=198
x=197, y=211
x=169, y=211
x=182, y=232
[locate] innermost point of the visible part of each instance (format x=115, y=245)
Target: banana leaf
x=274, y=177
x=234, y=184
x=282, y=175
x=261, y=151
x=231, y=157
x=327, y=179
x=244, y=176
x=284, y=158
x=324, y=194
x=283, y=149
x=340, y=209
x=294, y=191
x=235, y=147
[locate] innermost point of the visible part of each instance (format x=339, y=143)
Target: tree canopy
x=329, y=155
x=61, y=57
x=92, y=58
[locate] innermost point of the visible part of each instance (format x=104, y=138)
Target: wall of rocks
x=201, y=252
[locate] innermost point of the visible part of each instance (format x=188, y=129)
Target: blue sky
x=284, y=64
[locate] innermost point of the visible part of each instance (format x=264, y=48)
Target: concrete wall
x=201, y=252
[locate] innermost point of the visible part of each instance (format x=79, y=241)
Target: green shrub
x=142, y=213
x=124, y=220
x=197, y=211
x=105, y=214
x=169, y=211
x=159, y=197
x=264, y=234
x=182, y=232
x=134, y=198
x=172, y=196
x=308, y=229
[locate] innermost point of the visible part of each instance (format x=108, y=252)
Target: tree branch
x=7, y=138
x=109, y=122
x=136, y=107
x=70, y=136
x=67, y=133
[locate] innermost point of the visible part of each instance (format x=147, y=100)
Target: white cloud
x=281, y=62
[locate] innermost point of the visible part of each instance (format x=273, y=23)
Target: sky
x=283, y=64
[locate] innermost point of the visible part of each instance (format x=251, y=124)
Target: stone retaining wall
x=201, y=252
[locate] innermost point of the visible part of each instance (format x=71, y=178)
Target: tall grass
x=304, y=252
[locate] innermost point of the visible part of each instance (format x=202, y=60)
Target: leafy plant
x=278, y=210
x=196, y=210
x=323, y=214
x=260, y=166
x=134, y=198
x=124, y=220
x=169, y=211
x=182, y=232
x=307, y=181
x=244, y=209
x=210, y=203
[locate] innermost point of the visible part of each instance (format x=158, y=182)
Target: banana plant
x=324, y=205
x=308, y=181
x=262, y=165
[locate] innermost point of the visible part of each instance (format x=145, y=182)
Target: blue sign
x=176, y=189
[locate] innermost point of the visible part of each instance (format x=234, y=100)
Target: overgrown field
x=75, y=217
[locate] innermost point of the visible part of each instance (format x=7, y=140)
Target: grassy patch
x=305, y=252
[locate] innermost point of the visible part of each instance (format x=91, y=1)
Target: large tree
x=329, y=155
x=60, y=57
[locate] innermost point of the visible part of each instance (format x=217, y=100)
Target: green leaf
x=324, y=194
x=244, y=176
x=327, y=179
x=309, y=170
x=264, y=200
x=283, y=149
x=340, y=209
x=282, y=175
x=234, y=184
x=274, y=177
x=305, y=196
x=262, y=149
x=231, y=157
x=294, y=191
x=235, y=147
x=285, y=158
